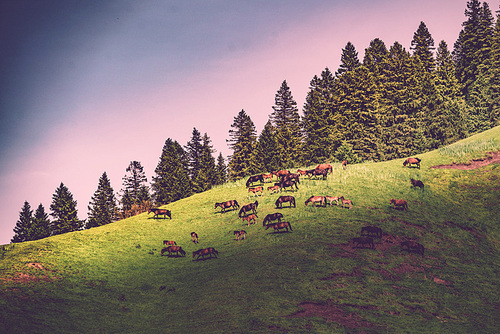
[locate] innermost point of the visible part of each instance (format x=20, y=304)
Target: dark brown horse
x=326, y=167
x=205, y=251
x=399, y=203
x=169, y=242
x=417, y=183
x=173, y=249
x=317, y=172
x=316, y=199
x=194, y=237
x=288, y=183
x=272, y=216
x=292, y=176
x=412, y=161
x=362, y=241
x=255, y=178
x=282, y=199
x=249, y=207
x=371, y=231
x=160, y=212
x=279, y=226
x=229, y=204
x=412, y=246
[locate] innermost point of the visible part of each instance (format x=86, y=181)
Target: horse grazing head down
x=417, y=183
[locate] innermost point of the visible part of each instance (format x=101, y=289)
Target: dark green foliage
x=265, y=155
x=102, y=206
x=22, y=230
x=135, y=190
x=63, y=210
x=41, y=224
x=194, y=151
x=220, y=170
x=349, y=60
x=422, y=46
x=243, y=140
x=375, y=56
x=205, y=177
x=346, y=152
x=171, y=182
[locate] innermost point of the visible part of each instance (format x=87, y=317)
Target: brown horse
x=362, y=241
x=412, y=246
x=399, y=203
x=173, y=249
x=326, y=167
x=240, y=234
x=280, y=173
x=274, y=189
x=412, y=161
x=271, y=217
x=331, y=199
x=371, y=231
x=252, y=206
x=345, y=202
x=279, y=226
x=316, y=199
x=160, y=212
x=417, y=183
x=194, y=237
x=344, y=164
x=228, y=204
x=249, y=218
x=205, y=251
x=317, y=172
x=282, y=199
x=169, y=242
x=301, y=172
x=288, y=183
x=292, y=176
x=256, y=190
x=255, y=178
x=268, y=177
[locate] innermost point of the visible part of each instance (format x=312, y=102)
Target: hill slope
x=312, y=279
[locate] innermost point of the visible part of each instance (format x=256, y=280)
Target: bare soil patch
x=491, y=157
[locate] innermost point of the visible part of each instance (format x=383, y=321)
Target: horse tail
x=290, y=225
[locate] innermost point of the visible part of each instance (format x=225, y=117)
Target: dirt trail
x=491, y=157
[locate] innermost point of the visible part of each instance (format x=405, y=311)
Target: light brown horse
x=205, y=251
x=173, y=249
x=249, y=218
x=256, y=190
x=169, y=242
x=399, y=203
x=328, y=167
x=268, y=177
x=316, y=199
x=345, y=202
x=280, y=173
x=274, y=189
x=344, y=164
x=412, y=161
x=240, y=234
x=301, y=172
x=331, y=199
x=279, y=226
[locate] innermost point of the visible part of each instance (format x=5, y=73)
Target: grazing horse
x=301, y=172
x=326, y=167
x=280, y=173
x=288, y=183
x=205, y=251
x=160, y=212
x=371, y=231
x=194, y=237
x=345, y=202
x=252, y=206
x=169, y=242
x=173, y=249
x=274, y=189
x=363, y=241
x=331, y=199
x=268, y=177
x=291, y=176
x=344, y=164
x=279, y=226
x=317, y=172
x=282, y=199
x=316, y=199
x=399, y=203
x=255, y=178
x=240, y=234
x=229, y=204
x=412, y=161
x=417, y=183
x=249, y=218
x=256, y=190
x=271, y=217
x=412, y=246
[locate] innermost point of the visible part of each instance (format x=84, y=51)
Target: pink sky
x=124, y=91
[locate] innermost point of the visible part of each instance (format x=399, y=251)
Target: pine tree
x=102, y=206
x=375, y=56
x=220, y=170
x=446, y=82
x=422, y=45
x=349, y=60
x=194, y=152
x=286, y=121
x=41, y=224
x=171, y=182
x=265, y=150
x=23, y=228
x=64, y=212
x=135, y=189
x=205, y=178
x=243, y=140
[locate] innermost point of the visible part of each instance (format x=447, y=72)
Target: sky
x=86, y=87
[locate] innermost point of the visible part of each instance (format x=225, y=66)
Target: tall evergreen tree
x=349, y=60
x=194, y=151
x=265, y=150
x=243, y=139
x=64, y=212
x=205, y=178
x=23, y=228
x=375, y=56
x=446, y=82
x=422, y=45
x=41, y=223
x=220, y=170
x=286, y=120
x=171, y=182
x=102, y=206
x=135, y=189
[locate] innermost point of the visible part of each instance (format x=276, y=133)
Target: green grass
x=112, y=279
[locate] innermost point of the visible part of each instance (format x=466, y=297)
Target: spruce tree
x=243, y=140
x=194, y=151
x=63, y=210
x=41, y=224
x=102, y=206
x=220, y=170
x=205, y=178
x=349, y=60
x=135, y=191
x=23, y=228
x=375, y=56
x=265, y=150
x=171, y=182
x=422, y=45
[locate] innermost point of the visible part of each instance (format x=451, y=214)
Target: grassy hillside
x=113, y=278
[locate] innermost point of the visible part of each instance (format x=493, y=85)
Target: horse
x=345, y=201
x=249, y=218
x=268, y=177
x=255, y=178
x=173, y=249
x=412, y=246
x=301, y=172
x=240, y=234
x=205, y=251
x=271, y=217
x=280, y=173
x=274, y=189
x=417, y=183
x=317, y=172
x=169, y=242
x=363, y=241
x=282, y=199
x=288, y=183
x=291, y=176
x=331, y=199
x=412, y=161
x=256, y=190
x=194, y=237
x=316, y=199
x=371, y=231
x=279, y=226
x=229, y=204
x=326, y=167
x=344, y=164
x=399, y=203
x=160, y=212
x=252, y=206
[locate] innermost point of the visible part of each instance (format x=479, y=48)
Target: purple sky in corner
x=88, y=86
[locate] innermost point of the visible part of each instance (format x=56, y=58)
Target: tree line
x=391, y=104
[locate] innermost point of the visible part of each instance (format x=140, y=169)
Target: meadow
x=113, y=279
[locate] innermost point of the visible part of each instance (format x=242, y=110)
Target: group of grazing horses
x=323, y=199
x=172, y=248
x=368, y=233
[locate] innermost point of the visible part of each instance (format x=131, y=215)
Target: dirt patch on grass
x=491, y=157
x=24, y=278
